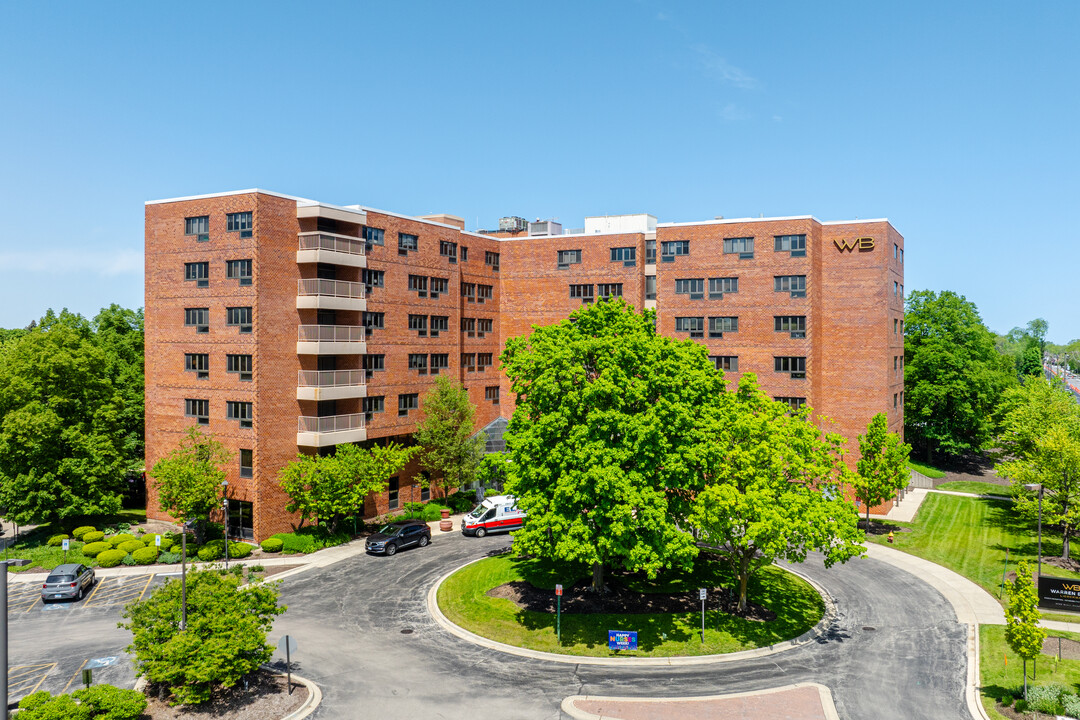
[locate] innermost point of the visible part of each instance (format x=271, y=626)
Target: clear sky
x=955, y=120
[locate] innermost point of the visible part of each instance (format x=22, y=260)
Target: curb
x=827, y=619
x=311, y=704
x=824, y=693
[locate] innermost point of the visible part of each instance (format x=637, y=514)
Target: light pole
x=1036, y=487
x=225, y=507
x=183, y=574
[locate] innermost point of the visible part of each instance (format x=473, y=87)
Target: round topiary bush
x=93, y=536
x=240, y=549
x=145, y=555
x=130, y=546
x=111, y=558
x=78, y=532
x=95, y=548
x=148, y=539
x=58, y=540
x=271, y=545
x=115, y=540
x=213, y=550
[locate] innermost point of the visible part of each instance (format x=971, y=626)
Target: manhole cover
x=408, y=631
x=865, y=627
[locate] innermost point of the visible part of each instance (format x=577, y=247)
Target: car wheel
x=391, y=548
x=481, y=532
x=424, y=541
x=79, y=595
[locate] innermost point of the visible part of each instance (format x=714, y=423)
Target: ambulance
x=495, y=514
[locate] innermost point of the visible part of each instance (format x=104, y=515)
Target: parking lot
x=111, y=592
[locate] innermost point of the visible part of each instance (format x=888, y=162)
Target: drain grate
x=868, y=627
x=409, y=631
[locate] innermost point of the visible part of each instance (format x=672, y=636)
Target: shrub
x=213, y=550
x=112, y=703
x=492, y=492
x=148, y=538
x=115, y=540
x=272, y=545
x=111, y=558
x=78, y=532
x=57, y=540
x=1070, y=703
x=140, y=532
x=145, y=555
x=123, y=527
x=1045, y=698
x=168, y=558
x=240, y=549
x=93, y=549
x=130, y=546
x=461, y=502
x=93, y=536
x=128, y=560
x=43, y=706
x=295, y=543
x=414, y=509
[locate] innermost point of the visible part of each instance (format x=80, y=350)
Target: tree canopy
x=189, y=479
x=1022, y=630
x=881, y=471
x=450, y=448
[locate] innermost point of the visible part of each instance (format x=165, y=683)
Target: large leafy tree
x=882, y=469
x=953, y=376
x=598, y=444
x=772, y=487
x=119, y=334
x=189, y=478
x=331, y=487
x=1022, y=631
x=1027, y=411
x=450, y=450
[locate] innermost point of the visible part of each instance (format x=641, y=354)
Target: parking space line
x=22, y=680
x=94, y=592
x=149, y=579
x=74, y=676
x=123, y=590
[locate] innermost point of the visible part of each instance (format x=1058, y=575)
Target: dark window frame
x=197, y=408
x=241, y=222
x=191, y=316
x=725, y=323
x=694, y=325
x=199, y=229
x=794, y=244
x=241, y=411
x=407, y=242
x=231, y=319
x=234, y=270
x=565, y=258
x=192, y=273
x=694, y=287
x=235, y=363
x=198, y=363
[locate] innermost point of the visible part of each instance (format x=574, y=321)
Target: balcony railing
x=332, y=242
x=331, y=333
x=330, y=423
x=331, y=378
x=330, y=288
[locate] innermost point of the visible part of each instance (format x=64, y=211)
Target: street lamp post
x=1036, y=487
x=225, y=507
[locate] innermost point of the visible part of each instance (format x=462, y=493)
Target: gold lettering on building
x=849, y=244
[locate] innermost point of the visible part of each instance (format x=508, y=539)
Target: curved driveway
x=365, y=636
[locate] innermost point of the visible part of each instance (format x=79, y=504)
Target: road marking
x=123, y=591
x=21, y=680
x=97, y=586
x=149, y=579
x=73, y=677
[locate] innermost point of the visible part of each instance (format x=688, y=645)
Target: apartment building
x=284, y=325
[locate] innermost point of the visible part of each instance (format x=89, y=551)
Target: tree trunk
x=1066, y=530
x=744, y=579
x=598, y=577
x=1025, y=679
x=867, y=518
x=200, y=531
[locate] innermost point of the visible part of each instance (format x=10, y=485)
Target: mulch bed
x=976, y=467
x=619, y=600
x=265, y=698
x=272, y=570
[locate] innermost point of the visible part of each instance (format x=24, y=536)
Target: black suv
x=395, y=536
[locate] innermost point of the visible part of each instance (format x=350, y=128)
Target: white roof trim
x=568, y=235
x=403, y=216
x=249, y=191
x=728, y=221
x=856, y=222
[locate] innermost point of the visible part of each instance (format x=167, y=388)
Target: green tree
x=1022, y=631
x=953, y=376
x=1027, y=411
x=772, y=487
x=882, y=470
x=1030, y=360
x=450, y=451
x=119, y=334
x=598, y=444
x=188, y=479
x=1037, y=329
x=225, y=637
x=331, y=487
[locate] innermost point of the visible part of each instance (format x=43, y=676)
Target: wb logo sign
x=849, y=244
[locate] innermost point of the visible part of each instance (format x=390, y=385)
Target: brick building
x=285, y=325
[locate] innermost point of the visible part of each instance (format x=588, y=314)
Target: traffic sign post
x=87, y=677
x=65, y=543
x=157, y=541
x=701, y=595
x=558, y=613
x=288, y=644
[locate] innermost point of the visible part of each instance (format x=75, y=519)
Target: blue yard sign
x=622, y=639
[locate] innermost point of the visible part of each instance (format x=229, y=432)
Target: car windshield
x=389, y=530
x=59, y=579
x=478, y=511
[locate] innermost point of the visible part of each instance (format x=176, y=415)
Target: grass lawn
x=1000, y=678
x=32, y=545
x=974, y=486
x=462, y=597
x=927, y=470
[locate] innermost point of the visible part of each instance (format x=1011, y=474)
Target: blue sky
x=957, y=121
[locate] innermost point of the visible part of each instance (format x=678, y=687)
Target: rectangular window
x=795, y=403
x=895, y=399
x=374, y=236
x=483, y=292
x=407, y=402
x=439, y=323
x=198, y=363
x=393, y=486
x=468, y=291
x=484, y=326
x=240, y=411
x=901, y=327
x=901, y=392
x=491, y=394
x=895, y=323
x=795, y=244
x=464, y=254
x=895, y=251
x=199, y=272
x=374, y=363
x=418, y=285
x=693, y=325
x=608, y=290
x=198, y=318
x=901, y=260
x=246, y=463
x=727, y=363
x=372, y=405
x=743, y=247
x=901, y=292
x=439, y=286
x=372, y=278
x=492, y=259
x=720, y=325
x=198, y=226
x=418, y=362
x=198, y=409
x=718, y=287
x=419, y=324
x=448, y=250
x=239, y=317
x=373, y=321
x=483, y=360
x=694, y=287
x=626, y=255
x=238, y=270
x=895, y=288
x=566, y=258
x=468, y=326
x=671, y=248
x=425, y=492
x=407, y=242
x=239, y=364
x=895, y=363
x=794, y=365
x=650, y=252
x=650, y=287
x=582, y=292
x=239, y=222
x=439, y=361
x=794, y=324
x=794, y=284
x=468, y=361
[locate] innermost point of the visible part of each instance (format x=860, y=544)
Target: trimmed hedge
x=94, y=549
x=111, y=558
x=78, y=532
x=57, y=540
x=240, y=549
x=93, y=536
x=148, y=539
x=168, y=558
x=293, y=543
x=130, y=546
x=213, y=550
x=272, y=545
x=115, y=540
x=145, y=555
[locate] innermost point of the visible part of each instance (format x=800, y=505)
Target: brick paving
x=799, y=703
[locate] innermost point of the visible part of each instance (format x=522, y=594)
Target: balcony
x=320, y=294
x=330, y=430
x=331, y=340
x=321, y=247
x=331, y=384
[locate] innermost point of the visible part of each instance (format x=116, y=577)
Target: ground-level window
x=241, y=523
x=393, y=494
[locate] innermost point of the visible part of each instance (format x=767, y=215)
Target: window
x=238, y=270
x=566, y=258
x=895, y=288
x=795, y=244
x=727, y=363
x=425, y=489
x=448, y=250
x=650, y=252
x=491, y=394
x=418, y=362
x=694, y=287
x=901, y=327
x=901, y=260
x=419, y=324
x=895, y=400
x=439, y=286
x=650, y=287
x=720, y=325
x=439, y=323
x=372, y=405
x=693, y=325
x=794, y=324
x=484, y=326
x=198, y=318
x=795, y=403
x=895, y=251
x=240, y=317
x=626, y=255
x=407, y=242
x=483, y=292
x=794, y=365
x=492, y=259
x=198, y=409
x=468, y=291
x=671, y=248
x=609, y=290
x=895, y=322
x=240, y=364
x=901, y=292
x=407, y=402
x=374, y=236
x=743, y=246
x=795, y=284
x=239, y=222
x=901, y=392
x=246, y=463
x=439, y=361
x=392, y=492
x=895, y=363
x=198, y=226
x=418, y=284
x=464, y=254
x=468, y=361
x=199, y=272
x=483, y=360
x=198, y=363
x=373, y=321
x=239, y=411
x=374, y=363
x=584, y=292
x=372, y=278
x=468, y=325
